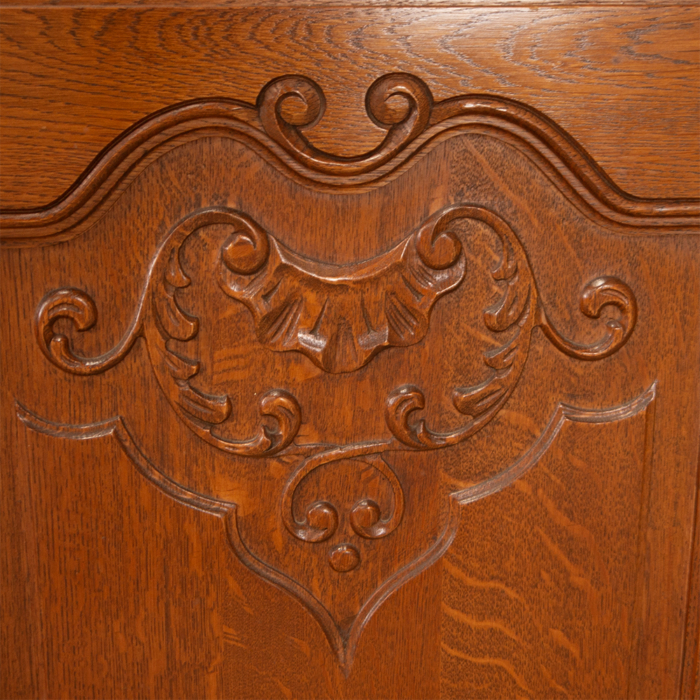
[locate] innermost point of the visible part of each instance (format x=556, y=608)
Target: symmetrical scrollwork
x=412, y=130
x=320, y=519
x=401, y=128
x=344, y=556
x=341, y=316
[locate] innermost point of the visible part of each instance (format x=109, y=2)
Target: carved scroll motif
x=338, y=316
x=341, y=316
x=342, y=557
x=320, y=519
x=159, y=319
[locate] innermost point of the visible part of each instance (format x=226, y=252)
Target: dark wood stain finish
x=344, y=369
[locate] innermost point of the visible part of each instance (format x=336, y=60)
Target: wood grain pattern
x=639, y=68
x=289, y=412
x=326, y=3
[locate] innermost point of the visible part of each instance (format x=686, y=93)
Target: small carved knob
x=343, y=557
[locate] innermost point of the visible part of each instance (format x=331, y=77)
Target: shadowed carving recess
x=410, y=133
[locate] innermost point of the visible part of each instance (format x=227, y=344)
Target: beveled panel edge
x=343, y=646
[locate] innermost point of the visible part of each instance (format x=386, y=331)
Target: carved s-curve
x=76, y=305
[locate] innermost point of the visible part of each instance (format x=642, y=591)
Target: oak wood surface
x=277, y=423
x=104, y=69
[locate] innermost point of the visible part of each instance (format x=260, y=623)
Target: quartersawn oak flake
x=379, y=398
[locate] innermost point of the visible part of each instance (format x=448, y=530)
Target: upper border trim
x=410, y=134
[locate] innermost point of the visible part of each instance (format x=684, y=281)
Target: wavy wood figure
x=286, y=419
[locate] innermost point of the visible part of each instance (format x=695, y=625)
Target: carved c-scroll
x=516, y=310
x=521, y=309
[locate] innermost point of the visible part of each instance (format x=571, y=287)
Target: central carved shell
x=340, y=316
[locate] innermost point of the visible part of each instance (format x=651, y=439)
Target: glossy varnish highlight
x=371, y=386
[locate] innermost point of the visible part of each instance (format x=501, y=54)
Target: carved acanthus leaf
x=514, y=310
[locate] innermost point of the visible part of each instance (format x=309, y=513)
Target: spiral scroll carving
x=402, y=128
x=595, y=296
x=321, y=519
x=159, y=319
x=519, y=310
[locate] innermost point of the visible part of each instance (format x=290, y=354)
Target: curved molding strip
x=424, y=124
x=343, y=641
x=343, y=645
x=562, y=414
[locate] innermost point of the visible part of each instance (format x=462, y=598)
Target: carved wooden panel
x=463, y=351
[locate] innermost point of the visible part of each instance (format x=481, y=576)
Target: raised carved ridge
x=423, y=125
x=562, y=414
x=344, y=642
x=339, y=320
x=284, y=299
x=520, y=310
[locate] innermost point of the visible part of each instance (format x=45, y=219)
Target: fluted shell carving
x=341, y=316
